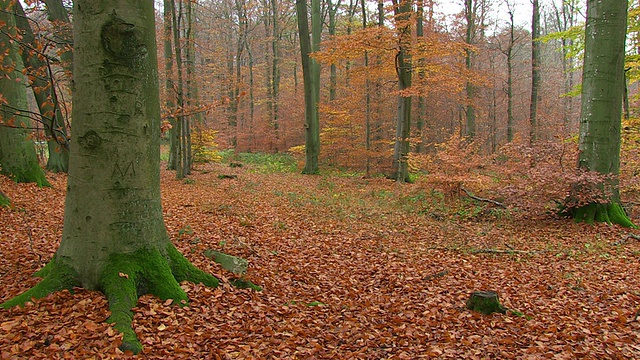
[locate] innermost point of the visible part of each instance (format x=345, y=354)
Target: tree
x=535, y=70
x=114, y=239
x=170, y=93
x=182, y=129
x=42, y=83
x=310, y=74
x=470, y=17
x=18, y=158
x=601, y=111
x=400, y=168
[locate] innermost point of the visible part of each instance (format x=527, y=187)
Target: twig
x=29, y=231
x=498, y=251
x=482, y=199
x=625, y=239
x=440, y=274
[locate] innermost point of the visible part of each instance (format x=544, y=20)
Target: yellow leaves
x=204, y=146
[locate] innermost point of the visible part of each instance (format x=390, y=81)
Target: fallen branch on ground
x=498, y=251
x=482, y=199
x=625, y=239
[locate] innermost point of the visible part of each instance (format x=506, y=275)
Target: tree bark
x=18, y=158
x=114, y=239
x=601, y=111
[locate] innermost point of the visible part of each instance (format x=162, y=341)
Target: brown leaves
x=347, y=271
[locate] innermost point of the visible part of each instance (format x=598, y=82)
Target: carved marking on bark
x=129, y=169
x=122, y=41
x=90, y=141
x=138, y=108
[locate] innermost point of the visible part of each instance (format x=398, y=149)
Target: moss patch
x=4, y=200
x=485, y=302
x=245, y=284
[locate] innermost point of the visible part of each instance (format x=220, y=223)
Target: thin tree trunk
x=535, y=72
x=333, y=9
x=421, y=100
x=509, y=53
x=367, y=99
x=402, y=9
x=18, y=158
x=170, y=99
x=469, y=88
x=44, y=91
x=312, y=133
x=183, y=165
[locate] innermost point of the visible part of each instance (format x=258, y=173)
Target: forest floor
x=351, y=268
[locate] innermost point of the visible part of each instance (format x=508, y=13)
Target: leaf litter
x=347, y=272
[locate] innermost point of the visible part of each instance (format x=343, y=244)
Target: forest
x=319, y=179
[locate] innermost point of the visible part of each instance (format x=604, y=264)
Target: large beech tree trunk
x=601, y=112
x=114, y=239
x=18, y=158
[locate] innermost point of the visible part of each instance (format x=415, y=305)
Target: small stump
x=485, y=302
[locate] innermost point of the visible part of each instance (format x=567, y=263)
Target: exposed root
x=56, y=277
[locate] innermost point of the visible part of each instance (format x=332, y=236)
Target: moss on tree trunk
x=609, y=213
x=124, y=279
x=114, y=239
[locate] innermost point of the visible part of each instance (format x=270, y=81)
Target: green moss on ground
x=4, y=200
x=485, y=302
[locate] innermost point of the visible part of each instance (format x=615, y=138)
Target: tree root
x=56, y=277
x=625, y=239
x=127, y=276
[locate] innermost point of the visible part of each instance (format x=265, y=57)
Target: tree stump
x=485, y=302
